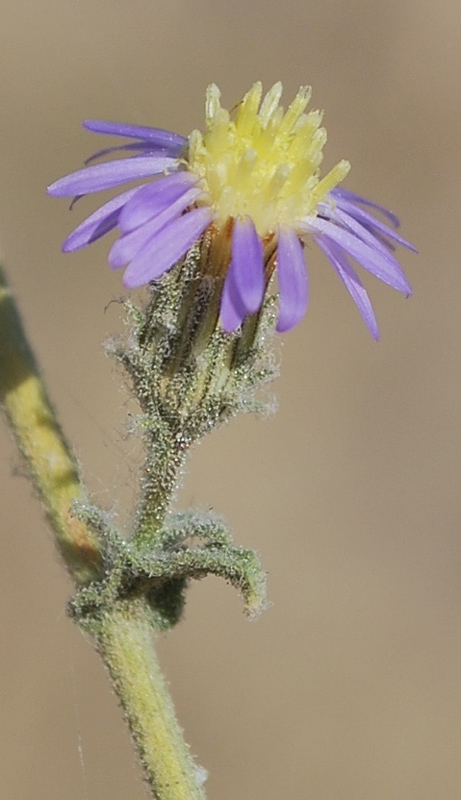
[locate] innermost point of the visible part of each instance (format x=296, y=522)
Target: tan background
x=348, y=688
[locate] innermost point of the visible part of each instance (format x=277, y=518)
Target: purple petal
x=247, y=258
x=370, y=222
x=158, y=136
x=362, y=232
x=339, y=192
x=232, y=311
x=382, y=265
x=127, y=247
x=97, y=224
x=143, y=148
x=166, y=247
x=293, y=281
x=153, y=198
x=112, y=173
x=352, y=283
x=390, y=246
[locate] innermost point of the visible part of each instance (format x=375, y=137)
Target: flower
x=249, y=189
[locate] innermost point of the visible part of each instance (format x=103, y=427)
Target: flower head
x=249, y=189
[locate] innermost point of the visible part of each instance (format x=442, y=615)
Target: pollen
x=262, y=162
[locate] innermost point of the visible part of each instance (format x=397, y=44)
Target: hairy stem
x=123, y=632
x=33, y=422
x=165, y=457
x=124, y=638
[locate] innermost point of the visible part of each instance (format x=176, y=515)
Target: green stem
x=122, y=632
x=39, y=437
x=124, y=638
x=165, y=458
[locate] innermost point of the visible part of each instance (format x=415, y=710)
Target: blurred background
x=348, y=687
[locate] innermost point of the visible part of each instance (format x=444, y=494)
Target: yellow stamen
x=248, y=110
x=262, y=163
x=270, y=103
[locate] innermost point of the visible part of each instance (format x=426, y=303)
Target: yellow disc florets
x=262, y=162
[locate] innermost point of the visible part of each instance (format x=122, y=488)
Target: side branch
x=33, y=422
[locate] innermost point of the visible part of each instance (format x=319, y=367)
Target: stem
x=33, y=422
x=124, y=637
x=122, y=632
x=165, y=457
